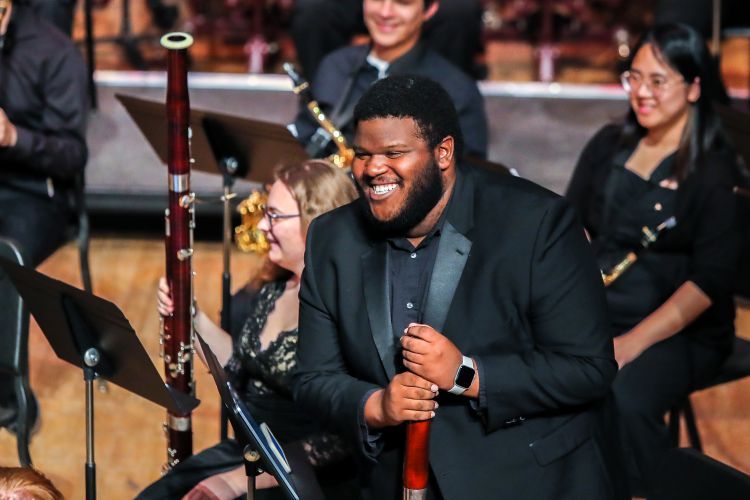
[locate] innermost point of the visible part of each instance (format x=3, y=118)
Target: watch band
x=466, y=362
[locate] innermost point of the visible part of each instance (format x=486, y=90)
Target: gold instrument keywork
x=345, y=155
x=649, y=237
x=248, y=237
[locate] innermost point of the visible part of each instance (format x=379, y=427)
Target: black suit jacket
x=516, y=287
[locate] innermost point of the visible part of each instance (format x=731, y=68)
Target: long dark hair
x=683, y=49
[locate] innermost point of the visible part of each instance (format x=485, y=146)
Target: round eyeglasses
x=657, y=85
x=274, y=217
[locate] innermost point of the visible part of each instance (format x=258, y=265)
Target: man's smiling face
x=396, y=173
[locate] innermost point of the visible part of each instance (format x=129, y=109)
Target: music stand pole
x=226, y=277
x=252, y=469
x=90, y=358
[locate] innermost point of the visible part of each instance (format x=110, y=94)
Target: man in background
x=43, y=108
x=345, y=74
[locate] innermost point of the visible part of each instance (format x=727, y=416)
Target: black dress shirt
x=43, y=93
x=615, y=204
x=410, y=269
x=344, y=75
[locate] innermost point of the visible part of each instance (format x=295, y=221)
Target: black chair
x=686, y=474
x=14, y=327
x=14, y=355
x=736, y=367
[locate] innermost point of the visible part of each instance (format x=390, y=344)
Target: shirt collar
x=379, y=64
x=404, y=64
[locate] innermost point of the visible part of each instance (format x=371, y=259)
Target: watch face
x=465, y=376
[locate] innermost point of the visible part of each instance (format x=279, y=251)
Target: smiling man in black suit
x=462, y=296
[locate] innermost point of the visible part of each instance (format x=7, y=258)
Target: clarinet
x=649, y=237
x=177, y=329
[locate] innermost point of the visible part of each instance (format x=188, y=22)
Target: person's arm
x=571, y=362
x=58, y=149
x=321, y=383
x=219, y=340
x=681, y=309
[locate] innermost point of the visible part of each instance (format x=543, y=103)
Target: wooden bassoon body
x=177, y=332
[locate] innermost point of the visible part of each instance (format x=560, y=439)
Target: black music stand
x=262, y=451
x=257, y=144
x=222, y=144
x=94, y=335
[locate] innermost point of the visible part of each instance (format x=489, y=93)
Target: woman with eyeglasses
x=260, y=357
x=663, y=179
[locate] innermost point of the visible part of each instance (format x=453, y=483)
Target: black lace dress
x=262, y=377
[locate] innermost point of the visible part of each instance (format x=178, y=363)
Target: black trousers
x=321, y=26
x=649, y=387
x=38, y=226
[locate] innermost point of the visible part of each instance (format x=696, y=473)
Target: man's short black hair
x=423, y=100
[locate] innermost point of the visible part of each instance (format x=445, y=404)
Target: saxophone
x=345, y=155
x=177, y=329
x=247, y=235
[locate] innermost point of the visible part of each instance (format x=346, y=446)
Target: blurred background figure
x=43, y=114
x=395, y=47
x=321, y=26
x=672, y=311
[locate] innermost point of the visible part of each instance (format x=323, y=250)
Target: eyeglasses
x=657, y=85
x=273, y=217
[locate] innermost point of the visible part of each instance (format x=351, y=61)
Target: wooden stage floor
x=130, y=447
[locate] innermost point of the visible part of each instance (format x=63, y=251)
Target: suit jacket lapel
x=377, y=289
x=453, y=251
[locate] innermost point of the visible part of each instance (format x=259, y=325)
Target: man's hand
x=408, y=397
x=8, y=134
x=430, y=355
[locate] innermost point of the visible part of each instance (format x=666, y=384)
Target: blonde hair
x=27, y=484
x=317, y=186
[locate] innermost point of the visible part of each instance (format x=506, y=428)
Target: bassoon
x=177, y=329
x=417, y=460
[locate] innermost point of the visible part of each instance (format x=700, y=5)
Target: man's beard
x=424, y=195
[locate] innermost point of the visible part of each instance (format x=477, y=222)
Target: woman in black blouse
x=260, y=358
x=672, y=312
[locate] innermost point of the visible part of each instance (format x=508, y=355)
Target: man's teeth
x=384, y=188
